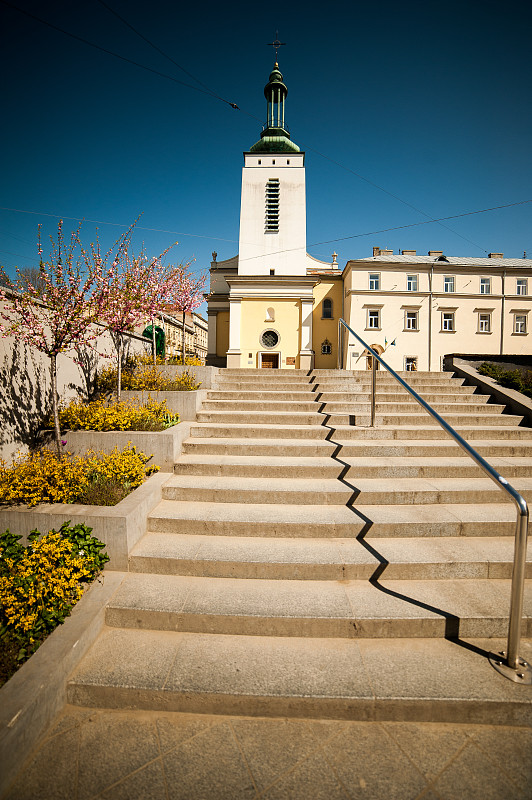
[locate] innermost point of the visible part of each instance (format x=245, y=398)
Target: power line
x=116, y=55
x=277, y=252
x=158, y=49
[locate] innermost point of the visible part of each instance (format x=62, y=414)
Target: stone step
x=347, y=467
x=402, y=396
x=259, y=466
x=354, y=447
x=432, y=680
x=357, y=373
x=305, y=447
x=324, y=559
x=338, y=521
x=266, y=404
x=259, y=431
x=282, y=396
x=260, y=417
x=255, y=386
x=423, y=419
x=396, y=407
x=327, y=491
x=336, y=609
x=434, y=431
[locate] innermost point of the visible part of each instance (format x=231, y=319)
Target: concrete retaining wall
x=186, y=404
x=120, y=526
x=515, y=401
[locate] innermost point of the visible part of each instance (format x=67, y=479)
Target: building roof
x=458, y=261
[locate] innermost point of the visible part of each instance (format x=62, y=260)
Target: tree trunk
x=119, y=367
x=154, y=348
x=57, y=429
x=183, y=350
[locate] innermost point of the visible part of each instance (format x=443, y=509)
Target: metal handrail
x=517, y=665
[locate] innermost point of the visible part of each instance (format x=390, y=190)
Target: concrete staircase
x=302, y=564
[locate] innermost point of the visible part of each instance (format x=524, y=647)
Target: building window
x=484, y=323
x=447, y=321
x=326, y=348
x=272, y=272
x=272, y=205
x=411, y=321
x=374, y=281
x=374, y=319
x=519, y=323
x=269, y=338
x=522, y=286
x=327, y=309
x=485, y=286
x=411, y=363
x=411, y=283
x=448, y=283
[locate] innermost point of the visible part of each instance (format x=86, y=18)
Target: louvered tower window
x=272, y=205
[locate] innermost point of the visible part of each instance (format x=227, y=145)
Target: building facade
x=274, y=306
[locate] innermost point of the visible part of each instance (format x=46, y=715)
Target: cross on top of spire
x=276, y=44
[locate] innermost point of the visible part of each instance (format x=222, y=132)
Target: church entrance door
x=269, y=360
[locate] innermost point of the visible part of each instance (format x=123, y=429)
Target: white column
x=211, y=333
x=306, y=355
x=233, y=354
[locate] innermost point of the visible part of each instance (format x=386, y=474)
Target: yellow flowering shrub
x=41, y=582
x=42, y=477
x=139, y=373
x=124, y=416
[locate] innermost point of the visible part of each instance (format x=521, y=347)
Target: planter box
x=165, y=446
x=186, y=404
x=35, y=694
x=207, y=376
x=120, y=526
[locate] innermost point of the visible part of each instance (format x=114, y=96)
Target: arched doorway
x=369, y=358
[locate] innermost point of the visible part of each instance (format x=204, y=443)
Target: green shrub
x=510, y=378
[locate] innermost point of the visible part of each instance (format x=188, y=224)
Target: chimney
x=435, y=253
x=386, y=253
x=495, y=255
x=408, y=252
x=376, y=251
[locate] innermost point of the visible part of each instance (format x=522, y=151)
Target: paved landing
x=90, y=753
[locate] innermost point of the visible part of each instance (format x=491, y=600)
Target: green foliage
x=510, y=378
x=40, y=583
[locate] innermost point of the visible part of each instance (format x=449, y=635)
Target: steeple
x=275, y=137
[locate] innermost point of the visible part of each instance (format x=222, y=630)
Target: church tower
x=273, y=210
x=262, y=302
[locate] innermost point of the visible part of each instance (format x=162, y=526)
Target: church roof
x=458, y=261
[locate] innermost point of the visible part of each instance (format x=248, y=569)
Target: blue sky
x=429, y=102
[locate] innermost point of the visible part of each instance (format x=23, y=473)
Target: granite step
x=336, y=609
x=432, y=680
x=336, y=521
x=324, y=559
x=329, y=491
x=347, y=467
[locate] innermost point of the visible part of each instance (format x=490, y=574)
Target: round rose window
x=269, y=339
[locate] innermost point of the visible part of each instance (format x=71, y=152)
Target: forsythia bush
x=42, y=477
x=124, y=416
x=139, y=373
x=42, y=581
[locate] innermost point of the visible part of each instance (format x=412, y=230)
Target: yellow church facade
x=273, y=306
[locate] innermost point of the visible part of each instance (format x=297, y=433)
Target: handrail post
x=518, y=582
x=373, y=381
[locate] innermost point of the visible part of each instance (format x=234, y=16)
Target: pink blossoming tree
x=58, y=313
x=183, y=292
